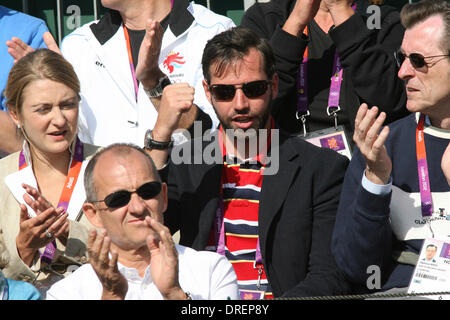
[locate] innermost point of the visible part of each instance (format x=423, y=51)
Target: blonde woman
x=41, y=186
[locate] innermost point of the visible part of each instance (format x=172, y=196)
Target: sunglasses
x=417, y=60
x=121, y=198
x=226, y=92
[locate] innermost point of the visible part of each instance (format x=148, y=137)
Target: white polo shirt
x=205, y=275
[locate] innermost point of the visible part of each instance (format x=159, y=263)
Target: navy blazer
x=296, y=215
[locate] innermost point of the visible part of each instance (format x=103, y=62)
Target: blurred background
x=63, y=16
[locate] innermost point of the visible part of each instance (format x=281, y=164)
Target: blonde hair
x=38, y=65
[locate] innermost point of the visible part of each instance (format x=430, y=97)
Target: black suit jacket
x=296, y=214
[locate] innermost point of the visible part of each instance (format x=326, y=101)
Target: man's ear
x=274, y=86
x=207, y=92
x=92, y=214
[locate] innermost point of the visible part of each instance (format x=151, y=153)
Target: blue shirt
x=17, y=24
x=21, y=290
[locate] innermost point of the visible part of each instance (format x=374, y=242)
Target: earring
x=18, y=126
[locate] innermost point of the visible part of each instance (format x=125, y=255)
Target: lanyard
x=130, y=59
x=422, y=168
x=302, y=88
x=69, y=185
x=130, y=56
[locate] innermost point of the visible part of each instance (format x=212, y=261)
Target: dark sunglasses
x=121, y=198
x=226, y=92
x=417, y=60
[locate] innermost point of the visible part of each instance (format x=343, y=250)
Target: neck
x=136, y=14
x=248, y=147
x=323, y=18
x=440, y=122
x=46, y=163
x=138, y=259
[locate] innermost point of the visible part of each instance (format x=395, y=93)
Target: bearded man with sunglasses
x=131, y=253
x=274, y=226
x=395, y=194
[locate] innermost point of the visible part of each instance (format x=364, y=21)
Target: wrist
x=340, y=13
x=108, y=295
x=176, y=294
x=380, y=178
x=151, y=81
x=26, y=254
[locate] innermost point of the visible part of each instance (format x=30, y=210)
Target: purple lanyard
x=422, y=168
x=50, y=248
x=335, y=88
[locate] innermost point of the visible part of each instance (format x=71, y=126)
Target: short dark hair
x=233, y=44
x=431, y=245
x=119, y=149
x=414, y=13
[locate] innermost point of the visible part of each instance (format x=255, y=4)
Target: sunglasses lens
x=117, y=199
x=400, y=57
x=149, y=190
x=223, y=91
x=417, y=60
x=255, y=89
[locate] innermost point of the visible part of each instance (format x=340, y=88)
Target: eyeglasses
x=417, y=60
x=226, y=92
x=121, y=198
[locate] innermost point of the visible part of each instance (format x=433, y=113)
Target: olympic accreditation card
x=331, y=138
x=432, y=272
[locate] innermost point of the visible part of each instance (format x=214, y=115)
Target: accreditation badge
x=331, y=138
x=251, y=294
x=432, y=272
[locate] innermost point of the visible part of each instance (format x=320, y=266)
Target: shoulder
x=14, y=18
x=207, y=18
x=89, y=150
x=205, y=260
x=9, y=164
x=77, y=37
x=21, y=290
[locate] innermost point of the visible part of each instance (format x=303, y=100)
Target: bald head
x=113, y=160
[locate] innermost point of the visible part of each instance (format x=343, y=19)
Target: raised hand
x=164, y=261
x=37, y=232
x=147, y=69
x=304, y=11
x=18, y=49
x=370, y=142
x=39, y=204
x=114, y=284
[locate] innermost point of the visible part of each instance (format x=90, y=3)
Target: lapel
x=275, y=187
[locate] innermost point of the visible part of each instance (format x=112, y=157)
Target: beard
x=260, y=121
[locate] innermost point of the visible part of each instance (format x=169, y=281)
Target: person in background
x=12, y=289
x=331, y=56
x=394, y=187
x=41, y=186
x=30, y=30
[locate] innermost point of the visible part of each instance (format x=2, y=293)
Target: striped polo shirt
x=240, y=194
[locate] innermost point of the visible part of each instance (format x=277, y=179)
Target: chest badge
x=173, y=60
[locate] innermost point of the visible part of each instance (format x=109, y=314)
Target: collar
x=431, y=130
x=27, y=152
x=260, y=157
x=180, y=18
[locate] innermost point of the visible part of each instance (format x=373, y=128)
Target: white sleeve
x=223, y=281
x=377, y=189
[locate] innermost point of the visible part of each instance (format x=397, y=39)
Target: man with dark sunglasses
x=274, y=226
x=395, y=194
x=131, y=253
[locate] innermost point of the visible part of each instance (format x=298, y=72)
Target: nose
x=136, y=205
x=406, y=70
x=59, y=119
x=241, y=102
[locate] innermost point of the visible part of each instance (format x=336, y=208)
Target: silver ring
x=48, y=234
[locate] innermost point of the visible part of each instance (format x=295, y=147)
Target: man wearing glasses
x=274, y=226
x=131, y=253
x=395, y=189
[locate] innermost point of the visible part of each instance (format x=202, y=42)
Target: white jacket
x=109, y=112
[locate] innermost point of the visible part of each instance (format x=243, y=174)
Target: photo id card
x=331, y=138
x=432, y=272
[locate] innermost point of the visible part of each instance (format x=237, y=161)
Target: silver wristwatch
x=157, y=91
